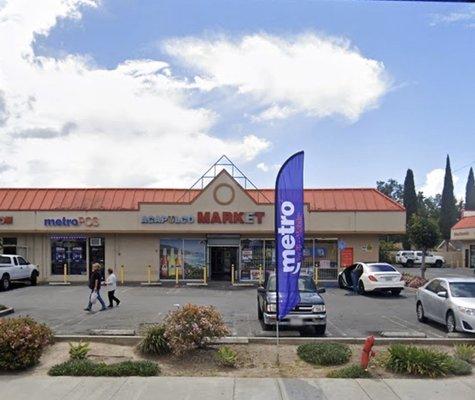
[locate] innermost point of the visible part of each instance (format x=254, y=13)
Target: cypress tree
x=448, y=206
x=410, y=202
x=470, y=192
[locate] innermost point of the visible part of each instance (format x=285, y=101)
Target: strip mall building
x=181, y=232
x=464, y=232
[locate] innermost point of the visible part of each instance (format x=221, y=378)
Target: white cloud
x=266, y=167
x=65, y=122
x=435, y=183
x=314, y=75
x=465, y=16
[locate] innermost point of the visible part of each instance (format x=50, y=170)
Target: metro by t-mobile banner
x=289, y=233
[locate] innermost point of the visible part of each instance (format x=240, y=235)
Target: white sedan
x=371, y=277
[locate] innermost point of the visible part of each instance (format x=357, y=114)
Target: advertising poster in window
x=195, y=258
x=171, y=258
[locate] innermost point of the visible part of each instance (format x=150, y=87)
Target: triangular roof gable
x=217, y=193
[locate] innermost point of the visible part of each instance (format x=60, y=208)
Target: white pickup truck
x=16, y=268
x=408, y=258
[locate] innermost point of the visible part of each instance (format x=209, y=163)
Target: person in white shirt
x=111, y=283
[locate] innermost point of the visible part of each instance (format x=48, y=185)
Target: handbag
x=93, y=298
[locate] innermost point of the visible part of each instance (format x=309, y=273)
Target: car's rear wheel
x=420, y=312
x=409, y=263
x=34, y=278
x=5, y=283
x=450, y=322
x=438, y=264
x=361, y=289
x=396, y=292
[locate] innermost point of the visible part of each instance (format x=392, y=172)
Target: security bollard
x=232, y=274
x=176, y=275
x=260, y=274
x=315, y=275
x=205, y=278
x=65, y=273
x=149, y=274
x=122, y=274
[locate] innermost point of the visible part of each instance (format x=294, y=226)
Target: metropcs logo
x=88, y=222
x=287, y=231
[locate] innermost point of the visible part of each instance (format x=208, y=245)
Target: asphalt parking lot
x=348, y=315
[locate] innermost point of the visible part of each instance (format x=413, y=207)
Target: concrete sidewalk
x=178, y=388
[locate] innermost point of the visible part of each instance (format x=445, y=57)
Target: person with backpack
x=111, y=284
x=95, y=286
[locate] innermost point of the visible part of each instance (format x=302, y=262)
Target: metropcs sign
x=89, y=222
x=207, y=217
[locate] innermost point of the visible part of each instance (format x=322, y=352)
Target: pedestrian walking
x=354, y=280
x=95, y=286
x=111, y=284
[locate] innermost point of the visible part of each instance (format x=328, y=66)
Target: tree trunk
x=423, y=264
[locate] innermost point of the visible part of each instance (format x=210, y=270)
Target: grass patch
x=465, y=352
x=350, y=372
x=460, y=367
x=418, y=361
x=90, y=368
x=154, y=342
x=2, y=307
x=226, y=357
x=324, y=353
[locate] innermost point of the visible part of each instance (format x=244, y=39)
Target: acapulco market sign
x=207, y=217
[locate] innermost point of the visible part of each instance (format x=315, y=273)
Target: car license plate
x=296, y=322
x=389, y=278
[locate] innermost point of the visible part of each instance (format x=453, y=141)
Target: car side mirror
x=442, y=294
x=321, y=290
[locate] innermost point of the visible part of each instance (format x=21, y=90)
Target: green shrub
x=353, y=371
x=226, y=357
x=324, y=353
x=90, y=368
x=154, y=341
x=22, y=341
x=2, y=307
x=78, y=351
x=465, y=352
x=459, y=367
x=192, y=326
x=418, y=361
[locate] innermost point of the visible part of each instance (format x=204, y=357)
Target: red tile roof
x=129, y=199
x=465, y=223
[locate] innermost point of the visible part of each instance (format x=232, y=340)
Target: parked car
x=16, y=268
x=409, y=258
x=309, y=314
x=449, y=301
x=372, y=277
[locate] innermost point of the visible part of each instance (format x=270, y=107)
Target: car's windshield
x=462, y=289
x=381, y=268
x=306, y=284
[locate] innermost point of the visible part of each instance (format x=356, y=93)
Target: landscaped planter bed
x=254, y=360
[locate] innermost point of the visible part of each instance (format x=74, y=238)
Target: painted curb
x=7, y=311
x=133, y=340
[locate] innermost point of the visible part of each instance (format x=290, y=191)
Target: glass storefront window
x=195, y=258
x=308, y=252
x=177, y=255
x=252, y=258
x=472, y=256
x=8, y=245
x=70, y=251
x=326, y=254
x=269, y=256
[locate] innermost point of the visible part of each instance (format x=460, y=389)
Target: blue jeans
x=354, y=281
x=89, y=306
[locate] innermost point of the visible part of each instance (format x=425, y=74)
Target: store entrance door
x=221, y=260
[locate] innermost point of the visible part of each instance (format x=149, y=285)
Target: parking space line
x=420, y=327
x=342, y=332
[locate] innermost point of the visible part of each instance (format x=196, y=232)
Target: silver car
x=450, y=301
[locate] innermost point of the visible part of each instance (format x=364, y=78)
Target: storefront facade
x=220, y=228
x=464, y=231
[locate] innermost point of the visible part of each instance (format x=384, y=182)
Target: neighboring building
x=464, y=231
x=218, y=226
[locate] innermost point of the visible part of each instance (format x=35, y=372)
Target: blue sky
x=424, y=112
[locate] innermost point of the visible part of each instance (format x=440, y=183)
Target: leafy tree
x=470, y=191
x=391, y=188
x=410, y=202
x=424, y=233
x=448, y=206
x=429, y=206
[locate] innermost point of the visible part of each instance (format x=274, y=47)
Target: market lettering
x=287, y=230
x=228, y=217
